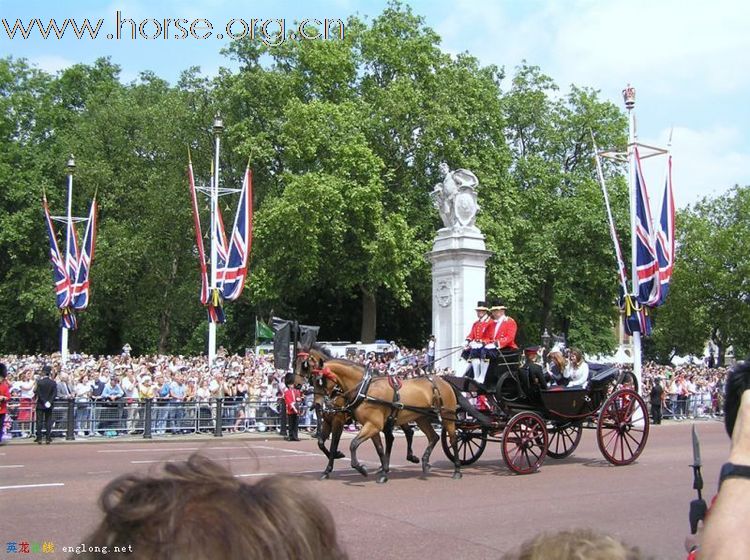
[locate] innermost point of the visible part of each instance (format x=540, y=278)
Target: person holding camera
x=726, y=535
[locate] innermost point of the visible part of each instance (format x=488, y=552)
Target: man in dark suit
x=656, y=396
x=532, y=374
x=45, y=393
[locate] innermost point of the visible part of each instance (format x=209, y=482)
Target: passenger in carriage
x=532, y=374
x=577, y=371
x=501, y=335
x=476, y=339
x=556, y=365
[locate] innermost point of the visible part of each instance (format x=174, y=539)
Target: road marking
x=246, y=458
x=152, y=449
x=157, y=449
x=281, y=449
x=32, y=486
x=11, y=466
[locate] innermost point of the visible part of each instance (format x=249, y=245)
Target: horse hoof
x=361, y=469
x=340, y=455
x=412, y=459
x=457, y=476
x=325, y=476
x=426, y=468
x=382, y=479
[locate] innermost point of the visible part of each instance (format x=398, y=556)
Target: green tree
x=709, y=296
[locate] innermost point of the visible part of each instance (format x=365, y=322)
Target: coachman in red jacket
x=477, y=338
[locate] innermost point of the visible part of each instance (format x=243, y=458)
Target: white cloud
x=705, y=163
x=51, y=63
x=688, y=60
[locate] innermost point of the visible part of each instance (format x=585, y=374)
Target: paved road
x=48, y=493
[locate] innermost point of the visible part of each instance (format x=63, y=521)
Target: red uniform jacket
x=4, y=392
x=503, y=333
x=292, y=396
x=479, y=331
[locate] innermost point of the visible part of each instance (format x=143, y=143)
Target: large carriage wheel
x=622, y=429
x=563, y=439
x=525, y=443
x=471, y=441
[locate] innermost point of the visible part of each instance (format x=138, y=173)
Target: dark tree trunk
x=369, y=316
x=547, y=298
x=164, y=318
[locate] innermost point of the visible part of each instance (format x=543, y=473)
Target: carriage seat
x=601, y=375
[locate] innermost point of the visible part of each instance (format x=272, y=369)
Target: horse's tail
x=471, y=409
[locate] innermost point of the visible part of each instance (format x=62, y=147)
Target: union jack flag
x=647, y=263
x=80, y=288
x=59, y=271
x=665, y=233
x=235, y=270
x=198, y=234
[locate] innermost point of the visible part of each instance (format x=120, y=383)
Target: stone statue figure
x=456, y=198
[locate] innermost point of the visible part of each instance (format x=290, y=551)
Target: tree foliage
x=345, y=138
x=710, y=294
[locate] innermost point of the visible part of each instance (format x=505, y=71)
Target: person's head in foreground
x=577, y=544
x=196, y=510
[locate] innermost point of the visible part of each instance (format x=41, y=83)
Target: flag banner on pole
x=68, y=319
x=263, y=331
x=198, y=234
x=665, y=232
x=647, y=262
x=622, y=272
x=215, y=308
x=281, y=341
x=71, y=257
x=235, y=270
x=637, y=317
x=59, y=271
x=222, y=249
x=81, y=286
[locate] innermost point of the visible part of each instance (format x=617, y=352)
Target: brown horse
x=373, y=401
x=331, y=422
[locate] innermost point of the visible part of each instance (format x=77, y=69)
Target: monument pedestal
x=458, y=259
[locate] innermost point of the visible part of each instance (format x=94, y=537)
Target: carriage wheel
x=508, y=389
x=471, y=441
x=622, y=429
x=525, y=443
x=563, y=439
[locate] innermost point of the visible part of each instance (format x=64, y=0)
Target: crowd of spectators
x=107, y=390
x=251, y=389
x=690, y=391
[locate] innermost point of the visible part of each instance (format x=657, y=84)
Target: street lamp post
x=218, y=128
x=70, y=167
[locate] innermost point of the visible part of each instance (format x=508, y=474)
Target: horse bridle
x=320, y=378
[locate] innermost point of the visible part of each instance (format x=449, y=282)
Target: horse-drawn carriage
x=532, y=423
x=529, y=424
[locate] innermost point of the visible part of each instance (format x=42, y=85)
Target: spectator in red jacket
x=4, y=398
x=293, y=401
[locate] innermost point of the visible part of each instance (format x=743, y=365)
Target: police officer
x=45, y=392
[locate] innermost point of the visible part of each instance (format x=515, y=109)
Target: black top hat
x=482, y=306
x=497, y=304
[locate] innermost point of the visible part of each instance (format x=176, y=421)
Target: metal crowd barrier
x=153, y=417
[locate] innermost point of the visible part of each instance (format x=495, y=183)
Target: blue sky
x=690, y=61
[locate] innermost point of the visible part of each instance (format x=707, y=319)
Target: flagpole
x=64, y=335
x=217, y=129
x=629, y=96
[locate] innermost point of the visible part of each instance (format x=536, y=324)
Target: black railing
x=153, y=417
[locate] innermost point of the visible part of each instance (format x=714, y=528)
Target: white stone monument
x=458, y=259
